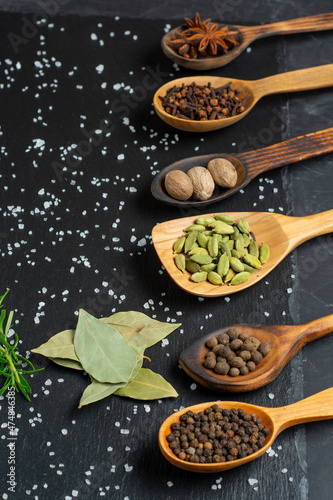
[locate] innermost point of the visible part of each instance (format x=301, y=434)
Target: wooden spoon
x=250, y=91
x=316, y=407
x=248, y=165
x=282, y=233
x=285, y=340
x=245, y=35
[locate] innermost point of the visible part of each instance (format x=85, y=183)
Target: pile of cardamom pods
x=218, y=250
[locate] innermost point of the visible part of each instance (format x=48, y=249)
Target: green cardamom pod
x=199, y=277
x=224, y=218
x=248, y=268
x=235, y=233
x=197, y=251
x=234, y=253
x=230, y=244
x=204, y=221
x=239, y=244
x=240, y=278
x=252, y=261
x=225, y=238
x=208, y=233
x=264, y=253
x=243, y=226
x=213, y=245
x=214, y=278
x=236, y=264
x=246, y=240
x=224, y=248
x=191, y=267
x=254, y=249
x=222, y=228
x=223, y=265
x=195, y=227
x=190, y=241
x=201, y=259
x=180, y=262
x=179, y=245
x=202, y=240
x=230, y=274
x=208, y=267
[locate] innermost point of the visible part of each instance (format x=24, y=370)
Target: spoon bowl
x=285, y=341
x=248, y=165
x=316, y=407
x=280, y=232
x=249, y=91
x=244, y=36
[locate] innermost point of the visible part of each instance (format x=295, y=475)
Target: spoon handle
x=287, y=152
x=316, y=407
x=315, y=329
x=317, y=77
x=301, y=229
x=319, y=22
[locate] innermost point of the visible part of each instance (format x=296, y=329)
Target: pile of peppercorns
x=216, y=435
x=235, y=353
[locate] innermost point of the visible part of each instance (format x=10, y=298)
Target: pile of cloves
x=202, y=102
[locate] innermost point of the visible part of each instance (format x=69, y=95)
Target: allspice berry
x=223, y=172
x=178, y=185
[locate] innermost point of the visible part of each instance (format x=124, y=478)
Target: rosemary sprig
x=11, y=362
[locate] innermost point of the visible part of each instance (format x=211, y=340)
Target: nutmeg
x=223, y=172
x=203, y=183
x=178, y=185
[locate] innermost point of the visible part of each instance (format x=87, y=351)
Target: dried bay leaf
x=147, y=385
x=102, y=351
x=97, y=390
x=60, y=345
x=68, y=363
x=138, y=328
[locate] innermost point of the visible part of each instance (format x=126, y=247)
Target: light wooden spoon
x=285, y=340
x=250, y=91
x=282, y=233
x=246, y=35
x=248, y=165
x=316, y=407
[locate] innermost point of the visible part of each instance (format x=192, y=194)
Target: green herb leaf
x=96, y=390
x=147, y=385
x=67, y=363
x=11, y=362
x=138, y=329
x=103, y=352
x=60, y=345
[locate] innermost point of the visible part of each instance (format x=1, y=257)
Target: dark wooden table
x=76, y=220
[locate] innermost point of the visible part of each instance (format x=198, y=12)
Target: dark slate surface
x=80, y=237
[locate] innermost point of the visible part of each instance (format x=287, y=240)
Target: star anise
x=201, y=38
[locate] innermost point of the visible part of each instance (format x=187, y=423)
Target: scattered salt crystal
x=121, y=157
x=64, y=431
x=252, y=481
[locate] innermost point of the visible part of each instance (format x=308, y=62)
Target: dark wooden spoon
x=285, y=340
x=248, y=165
x=245, y=35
